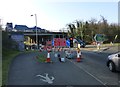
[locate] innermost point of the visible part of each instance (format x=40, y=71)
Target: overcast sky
x=54, y=15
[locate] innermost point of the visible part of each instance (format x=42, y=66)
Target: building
x=19, y=38
x=24, y=28
x=9, y=27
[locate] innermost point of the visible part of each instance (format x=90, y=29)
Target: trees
x=7, y=42
x=87, y=30
x=76, y=31
x=71, y=32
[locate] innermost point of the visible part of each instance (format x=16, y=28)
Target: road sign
x=116, y=36
x=56, y=42
x=99, y=37
x=68, y=43
x=60, y=42
x=52, y=42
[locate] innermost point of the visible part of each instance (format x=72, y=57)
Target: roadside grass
x=102, y=46
x=116, y=44
x=7, y=57
x=109, y=44
x=41, y=58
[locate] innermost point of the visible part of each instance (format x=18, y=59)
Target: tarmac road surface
x=26, y=70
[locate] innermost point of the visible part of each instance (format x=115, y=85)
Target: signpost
x=99, y=38
x=115, y=38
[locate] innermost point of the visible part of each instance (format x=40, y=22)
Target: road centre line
x=89, y=73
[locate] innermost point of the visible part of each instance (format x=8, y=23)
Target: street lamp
x=36, y=29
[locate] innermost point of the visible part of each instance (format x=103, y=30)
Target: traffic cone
x=48, y=57
x=78, y=56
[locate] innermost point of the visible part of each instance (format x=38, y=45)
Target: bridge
x=30, y=37
x=49, y=35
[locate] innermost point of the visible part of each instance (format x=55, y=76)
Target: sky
x=54, y=15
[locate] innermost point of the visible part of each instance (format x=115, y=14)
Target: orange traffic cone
x=78, y=56
x=48, y=57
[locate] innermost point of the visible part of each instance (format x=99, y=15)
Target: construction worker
x=78, y=49
x=59, y=57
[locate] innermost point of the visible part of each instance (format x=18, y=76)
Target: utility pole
x=36, y=29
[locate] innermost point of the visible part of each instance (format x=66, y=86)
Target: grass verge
x=41, y=58
x=7, y=57
x=114, y=44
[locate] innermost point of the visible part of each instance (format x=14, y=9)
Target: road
x=95, y=64
x=92, y=70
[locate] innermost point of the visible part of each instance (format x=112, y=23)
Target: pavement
x=103, y=49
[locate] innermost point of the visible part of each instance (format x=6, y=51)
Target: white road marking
x=89, y=74
x=46, y=78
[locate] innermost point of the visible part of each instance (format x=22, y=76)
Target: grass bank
x=111, y=44
x=7, y=57
x=41, y=57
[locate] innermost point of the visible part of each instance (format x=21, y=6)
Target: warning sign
x=60, y=42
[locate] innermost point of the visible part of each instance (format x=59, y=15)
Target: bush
x=7, y=42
